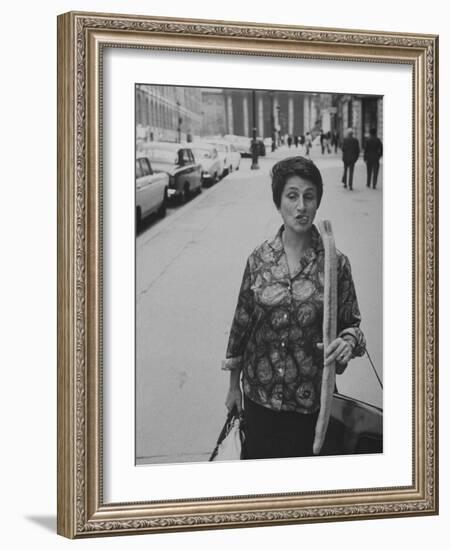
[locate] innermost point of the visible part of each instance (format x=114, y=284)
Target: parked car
x=151, y=190
x=241, y=143
x=355, y=427
x=206, y=155
x=230, y=158
x=177, y=160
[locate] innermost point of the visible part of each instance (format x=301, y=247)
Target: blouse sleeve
x=349, y=317
x=241, y=323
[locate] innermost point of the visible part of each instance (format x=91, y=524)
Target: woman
x=275, y=342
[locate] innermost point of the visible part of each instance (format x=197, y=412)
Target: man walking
x=373, y=151
x=350, y=154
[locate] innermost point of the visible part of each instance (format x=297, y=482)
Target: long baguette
x=329, y=332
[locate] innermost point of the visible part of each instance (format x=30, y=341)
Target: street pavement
x=188, y=272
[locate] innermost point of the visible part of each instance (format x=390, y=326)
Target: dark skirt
x=276, y=434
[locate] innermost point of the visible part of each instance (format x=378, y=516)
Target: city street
x=188, y=272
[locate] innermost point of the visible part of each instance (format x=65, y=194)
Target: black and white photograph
x=259, y=274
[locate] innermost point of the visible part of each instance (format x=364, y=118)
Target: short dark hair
x=294, y=166
x=373, y=131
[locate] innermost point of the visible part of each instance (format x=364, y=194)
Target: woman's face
x=298, y=205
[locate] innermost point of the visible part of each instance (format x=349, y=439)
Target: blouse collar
x=315, y=247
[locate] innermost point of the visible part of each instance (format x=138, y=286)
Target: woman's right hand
x=234, y=398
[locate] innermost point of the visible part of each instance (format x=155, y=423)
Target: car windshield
x=156, y=154
x=202, y=153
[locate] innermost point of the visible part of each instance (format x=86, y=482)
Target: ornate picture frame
x=82, y=39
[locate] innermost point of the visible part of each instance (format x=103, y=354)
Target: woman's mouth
x=302, y=219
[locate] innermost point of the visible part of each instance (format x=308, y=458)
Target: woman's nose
x=300, y=204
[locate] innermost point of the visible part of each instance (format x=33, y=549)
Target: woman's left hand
x=339, y=350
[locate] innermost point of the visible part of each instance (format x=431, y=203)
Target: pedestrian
x=302, y=141
x=335, y=140
x=289, y=141
x=350, y=154
x=327, y=141
x=322, y=141
x=308, y=143
x=275, y=345
x=296, y=141
x=373, y=151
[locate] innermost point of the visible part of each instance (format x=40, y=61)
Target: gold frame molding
x=81, y=37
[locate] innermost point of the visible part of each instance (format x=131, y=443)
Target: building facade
x=178, y=113
x=169, y=113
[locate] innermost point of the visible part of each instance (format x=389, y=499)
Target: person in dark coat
x=350, y=154
x=373, y=151
x=335, y=140
x=322, y=141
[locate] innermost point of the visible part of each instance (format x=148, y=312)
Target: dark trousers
x=350, y=166
x=372, y=173
x=272, y=434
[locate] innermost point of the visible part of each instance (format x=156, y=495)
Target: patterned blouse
x=278, y=323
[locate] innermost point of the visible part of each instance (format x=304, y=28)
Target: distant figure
x=335, y=140
x=322, y=141
x=296, y=141
x=350, y=154
x=327, y=141
x=308, y=143
x=373, y=151
x=289, y=141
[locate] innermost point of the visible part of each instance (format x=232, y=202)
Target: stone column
x=357, y=120
x=380, y=118
x=261, y=117
x=326, y=120
x=276, y=111
x=230, y=114
x=245, y=115
x=306, y=114
x=344, y=118
x=291, y=115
